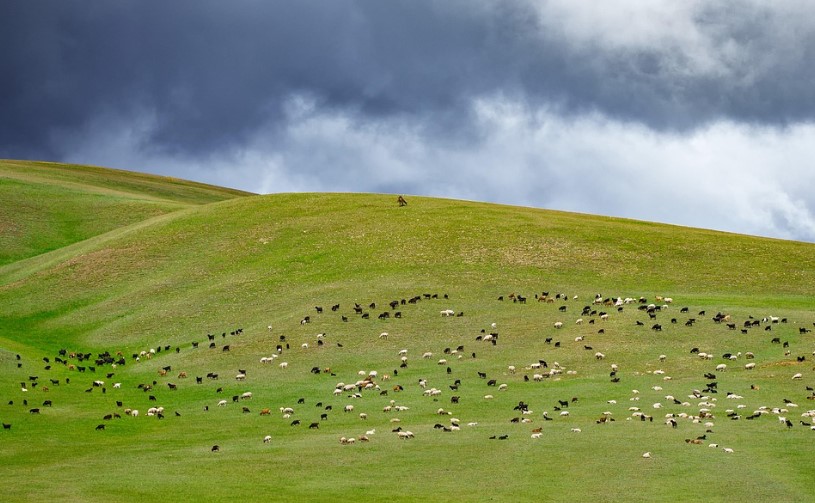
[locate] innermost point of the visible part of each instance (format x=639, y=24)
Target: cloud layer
x=684, y=112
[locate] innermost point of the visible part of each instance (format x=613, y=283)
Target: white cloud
x=739, y=41
x=726, y=176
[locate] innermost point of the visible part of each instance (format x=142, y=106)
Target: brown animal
x=401, y=201
x=265, y=412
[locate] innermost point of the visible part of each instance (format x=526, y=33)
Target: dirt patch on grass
x=786, y=363
x=107, y=263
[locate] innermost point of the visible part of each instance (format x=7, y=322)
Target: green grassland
x=158, y=263
x=46, y=206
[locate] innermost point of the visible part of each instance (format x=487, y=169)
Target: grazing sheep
x=558, y=324
x=646, y=455
x=267, y=439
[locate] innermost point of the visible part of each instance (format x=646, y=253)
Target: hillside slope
x=246, y=254
x=45, y=206
x=210, y=318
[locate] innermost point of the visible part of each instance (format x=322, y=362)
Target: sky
x=689, y=112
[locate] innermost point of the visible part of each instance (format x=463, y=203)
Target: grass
x=47, y=206
x=172, y=275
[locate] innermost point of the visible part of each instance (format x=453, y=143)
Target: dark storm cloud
x=211, y=73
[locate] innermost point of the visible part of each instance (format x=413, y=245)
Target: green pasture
x=108, y=261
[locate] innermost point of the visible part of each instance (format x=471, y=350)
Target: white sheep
x=267, y=439
x=284, y=365
x=558, y=324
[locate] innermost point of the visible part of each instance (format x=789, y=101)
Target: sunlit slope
x=254, y=260
x=45, y=206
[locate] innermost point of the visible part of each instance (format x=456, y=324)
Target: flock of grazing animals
x=700, y=405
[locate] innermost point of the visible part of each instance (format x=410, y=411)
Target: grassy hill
x=46, y=206
x=186, y=261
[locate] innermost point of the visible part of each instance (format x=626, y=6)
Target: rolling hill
x=46, y=206
x=100, y=262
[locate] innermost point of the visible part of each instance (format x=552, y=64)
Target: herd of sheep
x=442, y=379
